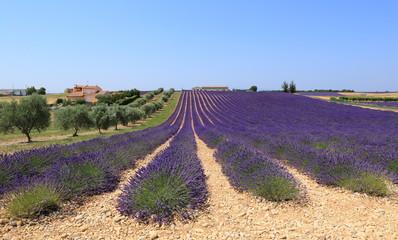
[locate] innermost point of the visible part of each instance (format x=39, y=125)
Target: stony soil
x=325, y=213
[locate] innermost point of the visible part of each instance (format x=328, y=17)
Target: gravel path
x=325, y=213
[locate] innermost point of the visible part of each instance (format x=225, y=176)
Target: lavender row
x=315, y=136
x=329, y=130
x=247, y=169
x=39, y=186
x=79, y=175
x=34, y=162
x=172, y=185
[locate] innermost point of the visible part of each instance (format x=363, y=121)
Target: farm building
x=85, y=92
x=13, y=92
x=211, y=88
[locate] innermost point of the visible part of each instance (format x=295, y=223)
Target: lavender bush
x=32, y=199
x=256, y=173
x=79, y=169
x=309, y=133
x=172, y=185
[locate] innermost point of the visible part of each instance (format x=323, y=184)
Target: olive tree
x=135, y=114
x=118, y=114
x=75, y=117
x=100, y=117
x=158, y=105
x=149, y=96
x=31, y=113
x=149, y=108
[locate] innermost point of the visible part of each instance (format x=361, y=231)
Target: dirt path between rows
x=325, y=213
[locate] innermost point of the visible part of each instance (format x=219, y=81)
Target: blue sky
x=336, y=44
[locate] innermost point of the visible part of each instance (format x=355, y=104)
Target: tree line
x=33, y=113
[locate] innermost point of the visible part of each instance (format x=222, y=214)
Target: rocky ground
x=325, y=213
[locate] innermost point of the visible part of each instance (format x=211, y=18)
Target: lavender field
x=338, y=145
x=257, y=138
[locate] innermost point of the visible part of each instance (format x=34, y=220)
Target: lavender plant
x=172, y=185
x=75, y=170
x=309, y=133
x=31, y=200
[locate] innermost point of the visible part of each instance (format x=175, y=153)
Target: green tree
x=76, y=117
x=80, y=101
x=253, y=88
x=118, y=114
x=285, y=87
x=41, y=91
x=103, y=99
x=31, y=113
x=100, y=117
x=292, y=87
x=158, y=105
x=59, y=101
x=149, y=109
x=140, y=101
x=30, y=90
x=149, y=96
x=135, y=114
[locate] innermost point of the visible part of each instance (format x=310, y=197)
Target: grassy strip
x=155, y=120
x=368, y=99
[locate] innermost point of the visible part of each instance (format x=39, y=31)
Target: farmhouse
x=13, y=92
x=211, y=88
x=85, y=92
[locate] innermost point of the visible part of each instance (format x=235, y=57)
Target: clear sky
x=320, y=44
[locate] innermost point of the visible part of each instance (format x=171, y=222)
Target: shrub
x=83, y=174
x=59, y=101
x=366, y=182
x=172, y=184
x=159, y=194
x=32, y=200
x=276, y=188
x=128, y=100
x=256, y=173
